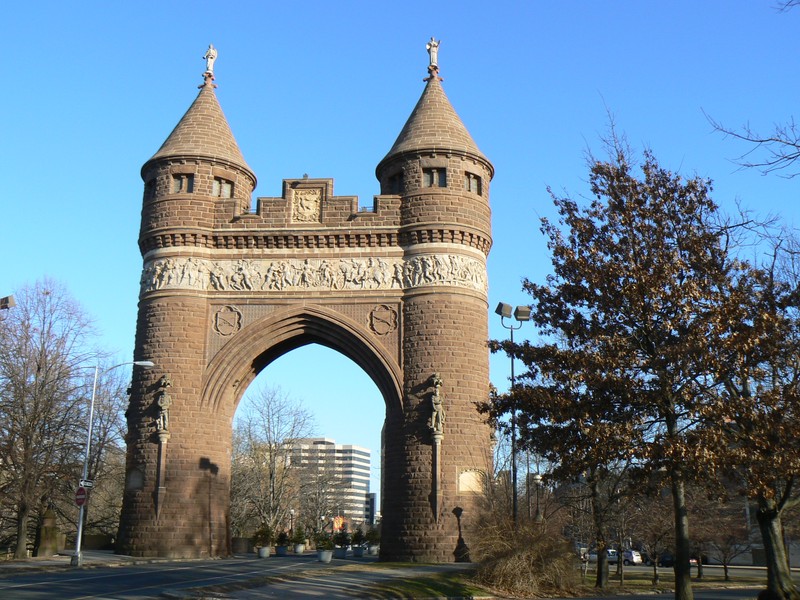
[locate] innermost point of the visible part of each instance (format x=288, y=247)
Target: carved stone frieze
x=322, y=274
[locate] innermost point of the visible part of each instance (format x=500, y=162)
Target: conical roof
x=434, y=125
x=203, y=132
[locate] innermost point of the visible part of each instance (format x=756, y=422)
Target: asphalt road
x=161, y=579
x=240, y=578
x=108, y=577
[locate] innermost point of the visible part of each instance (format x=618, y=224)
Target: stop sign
x=80, y=496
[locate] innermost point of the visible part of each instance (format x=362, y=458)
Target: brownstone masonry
x=399, y=289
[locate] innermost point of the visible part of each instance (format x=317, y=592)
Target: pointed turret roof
x=434, y=126
x=203, y=132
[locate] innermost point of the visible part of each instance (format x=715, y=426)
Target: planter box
x=263, y=552
x=299, y=548
x=340, y=552
x=373, y=549
x=358, y=551
x=324, y=556
x=281, y=550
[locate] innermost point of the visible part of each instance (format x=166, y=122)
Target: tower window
x=182, y=183
x=436, y=177
x=472, y=183
x=396, y=184
x=222, y=188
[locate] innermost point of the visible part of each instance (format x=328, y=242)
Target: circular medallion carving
x=227, y=320
x=383, y=319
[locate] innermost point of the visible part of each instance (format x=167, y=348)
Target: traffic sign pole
x=80, y=500
x=77, y=558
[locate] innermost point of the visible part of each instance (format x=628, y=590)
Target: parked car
x=666, y=559
x=631, y=557
x=612, y=555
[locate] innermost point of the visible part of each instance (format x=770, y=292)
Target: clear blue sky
x=92, y=89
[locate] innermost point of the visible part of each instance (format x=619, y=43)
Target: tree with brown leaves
x=644, y=290
x=761, y=406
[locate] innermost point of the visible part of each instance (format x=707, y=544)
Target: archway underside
x=240, y=361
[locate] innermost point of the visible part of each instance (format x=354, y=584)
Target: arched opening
x=238, y=363
x=322, y=416
x=310, y=345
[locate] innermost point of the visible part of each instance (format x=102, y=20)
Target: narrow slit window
x=472, y=183
x=222, y=188
x=396, y=184
x=182, y=183
x=436, y=177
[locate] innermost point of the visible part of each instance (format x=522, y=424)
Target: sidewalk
x=91, y=558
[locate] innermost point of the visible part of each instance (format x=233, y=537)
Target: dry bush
x=527, y=563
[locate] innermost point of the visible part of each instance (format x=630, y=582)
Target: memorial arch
x=400, y=289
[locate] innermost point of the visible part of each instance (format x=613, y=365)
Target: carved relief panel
x=321, y=274
x=307, y=205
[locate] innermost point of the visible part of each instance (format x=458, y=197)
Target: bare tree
x=318, y=489
x=785, y=5
x=107, y=456
x=262, y=481
x=727, y=533
x=652, y=519
x=43, y=348
x=777, y=150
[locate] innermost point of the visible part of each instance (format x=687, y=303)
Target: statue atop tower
x=433, y=52
x=210, y=56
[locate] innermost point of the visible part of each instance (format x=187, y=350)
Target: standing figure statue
x=210, y=56
x=163, y=402
x=433, y=51
x=436, y=422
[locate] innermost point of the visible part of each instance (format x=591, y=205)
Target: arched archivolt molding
x=238, y=363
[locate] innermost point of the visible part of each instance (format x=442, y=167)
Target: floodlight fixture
x=522, y=313
x=504, y=310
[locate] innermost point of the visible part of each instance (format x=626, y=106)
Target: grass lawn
x=639, y=581
x=459, y=584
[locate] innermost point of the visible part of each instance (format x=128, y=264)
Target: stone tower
x=400, y=289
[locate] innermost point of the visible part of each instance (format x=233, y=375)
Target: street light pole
x=521, y=314
x=77, y=558
x=537, y=480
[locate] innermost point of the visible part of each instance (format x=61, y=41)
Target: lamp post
x=291, y=521
x=537, y=480
x=7, y=302
x=77, y=558
x=521, y=314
